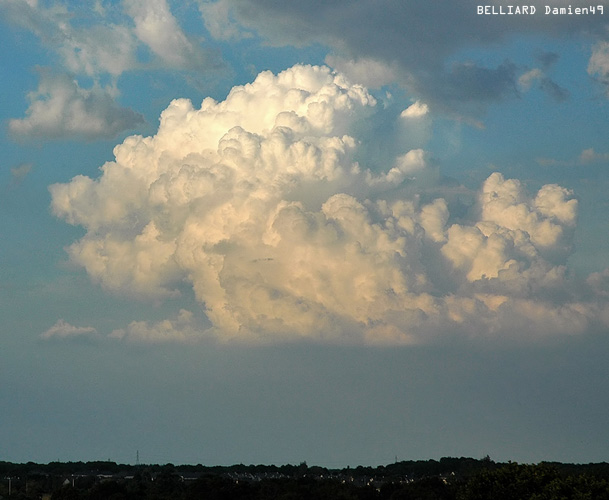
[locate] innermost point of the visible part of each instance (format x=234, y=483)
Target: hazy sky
x=273, y=232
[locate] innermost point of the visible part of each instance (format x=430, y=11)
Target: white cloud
x=544, y=218
x=104, y=40
x=218, y=21
x=260, y=203
x=586, y=157
x=546, y=84
x=519, y=243
x=599, y=62
x=600, y=282
x=591, y=156
x=526, y=80
x=405, y=167
x=99, y=43
x=180, y=329
x=94, y=48
x=64, y=330
x=156, y=26
x=61, y=108
x=415, y=110
x=99, y=49
x=20, y=172
x=367, y=71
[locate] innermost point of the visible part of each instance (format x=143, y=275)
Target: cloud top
x=262, y=204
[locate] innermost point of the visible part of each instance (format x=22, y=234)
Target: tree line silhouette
x=446, y=479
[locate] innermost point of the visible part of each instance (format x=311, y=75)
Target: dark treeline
x=448, y=478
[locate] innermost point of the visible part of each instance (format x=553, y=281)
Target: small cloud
x=526, y=80
x=586, y=157
x=598, y=66
x=20, y=172
x=406, y=166
x=546, y=84
x=599, y=282
x=590, y=156
x=181, y=329
x=60, y=108
x=550, y=162
x=415, y=110
x=64, y=330
x=366, y=71
x=219, y=22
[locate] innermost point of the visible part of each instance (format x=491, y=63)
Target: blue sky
x=269, y=232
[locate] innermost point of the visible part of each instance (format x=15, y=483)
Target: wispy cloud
x=20, y=172
x=591, y=156
x=63, y=330
x=598, y=65
x=586, y=157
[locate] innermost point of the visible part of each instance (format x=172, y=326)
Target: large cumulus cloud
x=264, y=205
